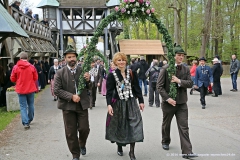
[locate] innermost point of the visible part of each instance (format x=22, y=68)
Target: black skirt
x=125, y=126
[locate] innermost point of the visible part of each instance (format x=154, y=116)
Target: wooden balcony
x=32, y=27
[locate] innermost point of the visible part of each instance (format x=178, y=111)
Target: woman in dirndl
x=51, y=74
x=124, y=121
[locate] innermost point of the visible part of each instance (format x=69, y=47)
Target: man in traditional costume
x=177, y=106
x=74, y=107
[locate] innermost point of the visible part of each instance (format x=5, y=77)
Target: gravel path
x=214, y=132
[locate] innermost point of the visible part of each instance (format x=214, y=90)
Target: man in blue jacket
x=203, y=78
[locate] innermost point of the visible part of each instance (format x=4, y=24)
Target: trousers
x=203, y=92
x=181, y=113
x=93, y=96
x=76, y=129
x=153, y=92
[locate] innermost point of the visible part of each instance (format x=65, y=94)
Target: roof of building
x=141, y=47
x=113, y=3
x=8, y=26
x=82, y=3
x=45, y=3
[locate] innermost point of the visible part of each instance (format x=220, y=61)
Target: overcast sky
x=33, y=3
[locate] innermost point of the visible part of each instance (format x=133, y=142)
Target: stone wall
x=12, y=101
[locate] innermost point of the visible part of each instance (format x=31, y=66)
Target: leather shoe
x=75, y=158
x=132, y=156
x=214, y=96
x=120, y=153
x=203, y=106
x=83, y=150
x=165, y=146
x=189, y=156
x=191, y=91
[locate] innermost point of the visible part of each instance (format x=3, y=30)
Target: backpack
x=154, y=77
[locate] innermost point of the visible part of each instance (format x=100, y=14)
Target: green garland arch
x=135, y=9
x=84, y=53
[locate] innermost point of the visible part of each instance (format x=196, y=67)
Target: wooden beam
x=3, y=38
x=64, y=15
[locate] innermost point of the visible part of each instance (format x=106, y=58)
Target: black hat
x=178, y=49
x=202, y=59
x=70, y=49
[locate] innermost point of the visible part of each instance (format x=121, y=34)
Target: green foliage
x=120, y=15
x=84, y=52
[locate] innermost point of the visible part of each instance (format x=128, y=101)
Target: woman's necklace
x=124, y=88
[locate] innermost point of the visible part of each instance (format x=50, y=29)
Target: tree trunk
x=216, y=27
x=137, y=30
x=186, y=27
x=177, y=36
x=206, y=28
x=145, y=31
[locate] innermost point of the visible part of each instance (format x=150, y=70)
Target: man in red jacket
x=25, y=75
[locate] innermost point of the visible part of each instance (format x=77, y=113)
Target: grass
x=6, y=117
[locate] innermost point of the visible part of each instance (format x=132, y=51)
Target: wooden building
x=151, y=49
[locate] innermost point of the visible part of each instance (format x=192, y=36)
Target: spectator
x=217, y=72
x=99, y=65
x=46, y=64
x=25, y=75
x=2, y=83
x=26, y=10
x=95, y=74
x=36, y=17
x=153, y=73
x=16, y=5
x=42, y=65
x=45, y=22
x=143, y=66
x=164, y=62
x=234, y=68
x=160, y=64
x=53, y=70
x=133, y=65
x=29, y=13
x=8, y=83
x=193, y=73
x=220, y=62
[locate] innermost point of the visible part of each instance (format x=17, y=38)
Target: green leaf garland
x=136, y=10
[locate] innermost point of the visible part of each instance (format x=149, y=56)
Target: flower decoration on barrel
x=135, y=9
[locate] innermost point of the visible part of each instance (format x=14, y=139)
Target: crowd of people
x=28, y=12
x=122, y=87
x=207, y=80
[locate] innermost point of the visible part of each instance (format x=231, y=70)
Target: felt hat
x=178, y=49
x=202, y=59
x=70, y=49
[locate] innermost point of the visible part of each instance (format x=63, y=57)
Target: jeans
x=145, y=85
x=234, y=80
x=26, y=102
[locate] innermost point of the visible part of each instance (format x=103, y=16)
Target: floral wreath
x=137, y=10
